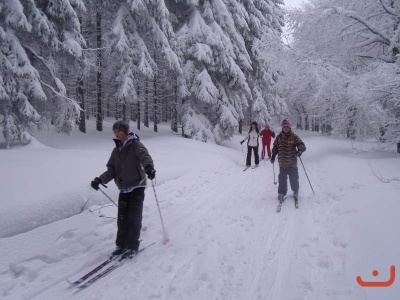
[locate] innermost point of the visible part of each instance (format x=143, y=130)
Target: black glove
x=95, y=183
x=272, y=160
x=298, y=153
x=241, y=142
x=151, y=173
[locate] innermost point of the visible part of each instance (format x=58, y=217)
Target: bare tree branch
x=388, y=9
x=356, y=17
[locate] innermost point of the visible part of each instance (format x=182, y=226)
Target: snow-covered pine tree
x=140, y=31
x=219, y=43
x=34, y=36
x=260, y=24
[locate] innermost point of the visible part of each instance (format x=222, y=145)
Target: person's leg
x=294, y=179
x=122, y=219
x=269, y=150
x=263, y=151
x=282, y=187
x=256, y=156
x=135, y=211
x=248, y=159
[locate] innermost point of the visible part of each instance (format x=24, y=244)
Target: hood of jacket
x=131, y=137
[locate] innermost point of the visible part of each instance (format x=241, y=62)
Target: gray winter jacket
x=127, y=164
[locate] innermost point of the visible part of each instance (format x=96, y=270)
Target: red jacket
x=266, y=135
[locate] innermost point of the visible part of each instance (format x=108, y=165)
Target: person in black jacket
x=128, y=165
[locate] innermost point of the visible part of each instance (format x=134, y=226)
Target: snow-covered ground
x=226, y=239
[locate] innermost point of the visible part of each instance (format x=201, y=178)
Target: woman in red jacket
x=266, y=134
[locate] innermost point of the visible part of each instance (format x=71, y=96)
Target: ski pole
x=273, y=168
x=107, y=195
x=307, y=175
x=165, y=239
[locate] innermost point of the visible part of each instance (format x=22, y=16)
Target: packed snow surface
x=226, y=240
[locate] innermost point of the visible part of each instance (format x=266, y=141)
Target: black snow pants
x=256, y=157
x=130, y=210
x=293, y=174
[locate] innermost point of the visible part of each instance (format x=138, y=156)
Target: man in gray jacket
x=128, y=165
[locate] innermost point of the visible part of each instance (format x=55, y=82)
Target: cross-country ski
x=93, y=271
x=108, y=270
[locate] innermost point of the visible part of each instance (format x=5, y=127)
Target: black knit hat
x=121, y=125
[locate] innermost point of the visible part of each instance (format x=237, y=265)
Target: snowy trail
x=219, y=224
x=226, y=239
x=229, y=241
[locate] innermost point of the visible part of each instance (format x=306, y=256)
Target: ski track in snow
x=226, y=242
x=208, y=227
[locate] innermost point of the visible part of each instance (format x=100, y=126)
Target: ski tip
x=71, y=284
x=83, y=286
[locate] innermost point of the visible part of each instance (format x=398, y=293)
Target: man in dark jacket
x=288, y=146
x=128, y=165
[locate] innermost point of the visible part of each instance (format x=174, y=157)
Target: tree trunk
x=138, y=116
x=118, y=110
x=299, y=124
x=351, y=131
x=164, y=97
x=124, y=116
x=132, y=114
x=155, y=102
x=146, y=105
x=174, y=119
x=89, y=107
x=183, y=129
x=99, y=115
x=165, y=108
x=306, y=120
x=396, y=50
x=240, y=126
x=6, y=132
x=317, y=124
x=382, y=132
x=81, y=101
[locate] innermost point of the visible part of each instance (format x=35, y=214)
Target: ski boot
x=130, y=253
x=280, y=198
x=296, y=199
x=118, y=251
